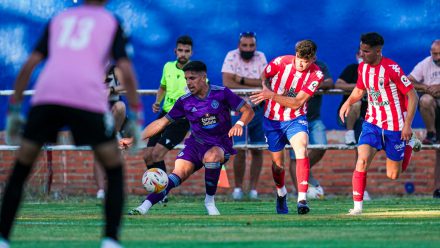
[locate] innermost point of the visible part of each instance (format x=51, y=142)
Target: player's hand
x=125, y=143
x=343, y=112
x=406, y=133
x=155, y=107
x=135, y=121
x=262, y=95
x=14, y=123
x=236, y=130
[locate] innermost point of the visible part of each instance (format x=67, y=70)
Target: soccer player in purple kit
x=207, y=108
x=77, y=44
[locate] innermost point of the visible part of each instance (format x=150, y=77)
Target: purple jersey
x=210, y=117
x=78, y=43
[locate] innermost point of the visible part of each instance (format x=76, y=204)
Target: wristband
x=240, y=123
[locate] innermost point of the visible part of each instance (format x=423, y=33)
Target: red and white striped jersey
x=286, y=80
x=386, y=86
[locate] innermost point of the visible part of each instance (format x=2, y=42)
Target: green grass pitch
x=386, y=222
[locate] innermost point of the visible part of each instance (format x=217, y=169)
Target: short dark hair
x=184, y=40
x=306, y=49
x=197, y=66
x=372, y=39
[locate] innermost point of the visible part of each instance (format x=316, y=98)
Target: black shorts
x=172, y=135
x=88, y=128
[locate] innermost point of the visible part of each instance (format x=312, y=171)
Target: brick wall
x=73, y=173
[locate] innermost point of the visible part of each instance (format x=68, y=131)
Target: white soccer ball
x=155, y=180
x=315, y=192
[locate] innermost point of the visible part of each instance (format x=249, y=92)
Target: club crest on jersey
x=374, y=94
x=214, y=104
x=313, y=85
x=405, y=81
x=381, y=81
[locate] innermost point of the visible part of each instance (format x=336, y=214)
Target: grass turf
x=386, y=222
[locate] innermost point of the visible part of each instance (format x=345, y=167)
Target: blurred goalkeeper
x=207, y=108
x=77, y=44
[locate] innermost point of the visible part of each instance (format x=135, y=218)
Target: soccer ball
x=315, y=192
x=155, y=180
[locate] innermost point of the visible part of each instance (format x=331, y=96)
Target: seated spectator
x=426, y=76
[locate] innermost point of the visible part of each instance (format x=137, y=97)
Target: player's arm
x=411, y=111
x=25, y=73
x=355, y=96
x=159, y=97
x=155, y=127
x=246, y=116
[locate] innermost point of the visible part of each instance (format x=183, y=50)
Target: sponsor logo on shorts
x=400, y=146
x=303, y=122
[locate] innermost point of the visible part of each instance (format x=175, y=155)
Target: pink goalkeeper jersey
x=285, y=79
x=78, y=46
x=386, y=86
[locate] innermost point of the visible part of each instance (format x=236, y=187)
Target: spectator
x=118, y=109
x=426, y=76
x=242, y=69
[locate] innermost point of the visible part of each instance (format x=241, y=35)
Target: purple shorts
x=194, y=151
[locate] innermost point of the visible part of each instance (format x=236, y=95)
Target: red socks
x=406, y=157
x=278, y=176
x=302, y=174
x=359, y=183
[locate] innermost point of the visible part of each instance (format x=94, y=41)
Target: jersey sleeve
x=177, y=112
x=120, y=44
x=312, y=84
x=228, y=63
x=163, y=80
x=234, y=101
x=272, y=68
x=399, y=78
x=43, y=44
x=359, y=83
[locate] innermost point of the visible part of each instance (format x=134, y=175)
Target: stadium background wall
x=408, y=27
x=73, y=173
